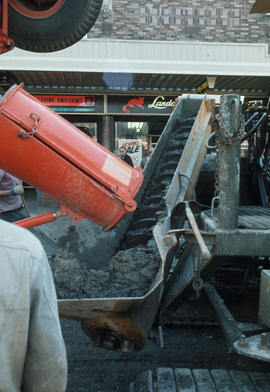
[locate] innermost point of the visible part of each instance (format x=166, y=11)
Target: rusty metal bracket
x=182, y=211
x=36, y=119
x=208, y=237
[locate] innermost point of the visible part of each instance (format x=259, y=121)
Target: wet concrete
x=84, y=239
x=80, y=255
x=129, y=274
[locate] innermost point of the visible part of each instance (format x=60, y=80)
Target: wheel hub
x=36, y=9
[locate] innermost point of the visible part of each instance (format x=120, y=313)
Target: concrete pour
x=129, y=274
x=80, y=255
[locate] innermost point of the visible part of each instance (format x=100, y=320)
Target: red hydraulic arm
x=37, y=220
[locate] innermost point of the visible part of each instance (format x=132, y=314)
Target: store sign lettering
x=133, y=149
x=140, y=105
x=160, y=103
x=67, y=100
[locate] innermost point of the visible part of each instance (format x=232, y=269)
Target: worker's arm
x=5, y=193
x=46, y=364
x=16, y=190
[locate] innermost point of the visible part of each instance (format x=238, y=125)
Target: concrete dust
x=130, y=273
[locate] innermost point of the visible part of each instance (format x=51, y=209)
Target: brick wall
x=205, y=20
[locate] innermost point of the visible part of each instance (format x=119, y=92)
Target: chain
x=225, y=136
x=197, y=283
x=215, y=130
x=36, y=119
x=23, y=134
x=216, y=184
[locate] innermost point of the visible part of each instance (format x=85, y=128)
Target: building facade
x=120, y=82
x=201, y=20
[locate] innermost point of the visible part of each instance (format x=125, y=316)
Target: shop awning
x=148, y=67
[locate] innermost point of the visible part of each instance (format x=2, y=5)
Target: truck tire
x=50, y=25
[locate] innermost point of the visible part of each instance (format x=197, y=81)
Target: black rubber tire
x=66, y=27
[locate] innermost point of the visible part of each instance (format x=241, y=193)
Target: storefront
x=81, y=110
x=114, y=120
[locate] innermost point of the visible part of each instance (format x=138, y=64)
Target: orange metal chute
x=48, y=152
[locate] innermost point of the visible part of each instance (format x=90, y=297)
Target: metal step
x=200, y=380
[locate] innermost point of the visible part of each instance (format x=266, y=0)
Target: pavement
x=93, y=369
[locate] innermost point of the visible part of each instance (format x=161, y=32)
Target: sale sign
x=134, y=149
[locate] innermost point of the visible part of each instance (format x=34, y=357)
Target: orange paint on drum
x=48, y=152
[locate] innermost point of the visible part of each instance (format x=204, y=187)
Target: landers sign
x=160, y=104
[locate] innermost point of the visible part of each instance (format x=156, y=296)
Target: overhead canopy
x=103, y=66
x=83, y=82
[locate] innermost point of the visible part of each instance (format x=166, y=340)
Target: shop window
x=131, y=130
x=153, y=139
x=128, y=131
x=89, y=128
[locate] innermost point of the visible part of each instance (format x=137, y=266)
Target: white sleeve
x=46, y=362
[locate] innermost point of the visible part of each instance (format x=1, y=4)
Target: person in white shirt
x=32, y=350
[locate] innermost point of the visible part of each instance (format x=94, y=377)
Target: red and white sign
x=67, y=100
x=134, y=149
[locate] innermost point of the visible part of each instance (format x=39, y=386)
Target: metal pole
x=226, y=320
x=229, y=161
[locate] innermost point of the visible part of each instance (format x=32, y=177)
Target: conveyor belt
x=201, y=380
x=153, y=200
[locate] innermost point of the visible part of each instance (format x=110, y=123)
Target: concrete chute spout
x=46, y=151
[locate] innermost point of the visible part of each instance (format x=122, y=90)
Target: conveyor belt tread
x=200, y=380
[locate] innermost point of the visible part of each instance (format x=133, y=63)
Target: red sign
x=133, y=103
x=67, y=100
